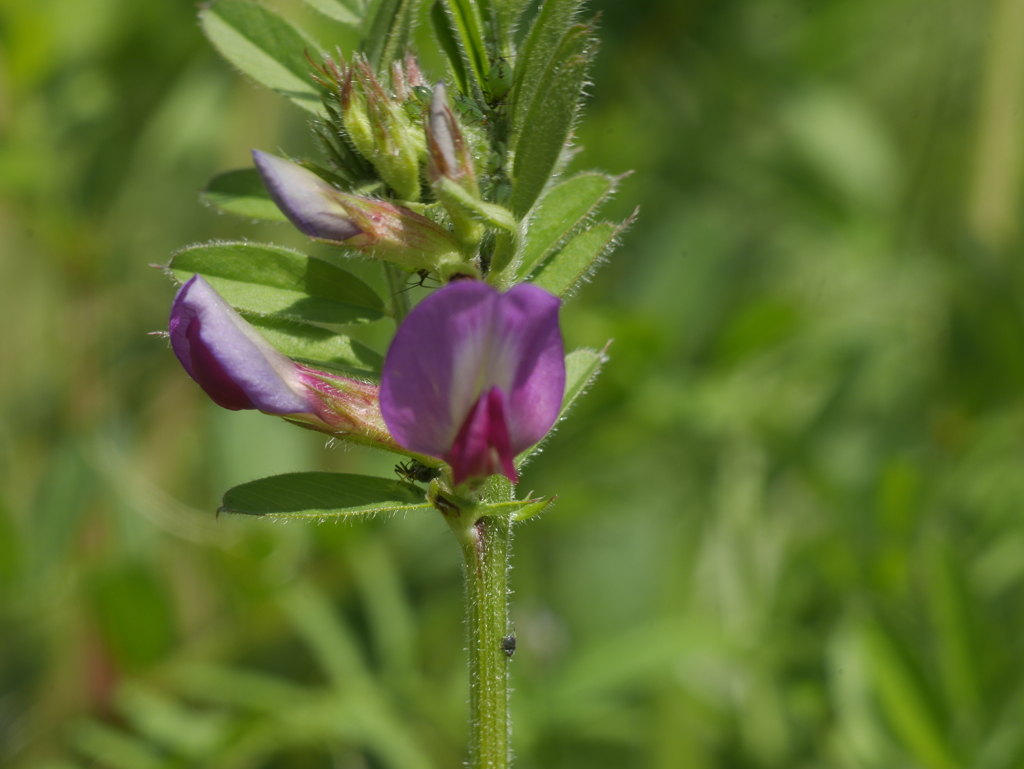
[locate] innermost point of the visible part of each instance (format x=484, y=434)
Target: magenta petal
x=454, y=347
x=482, y=446
x=236, y=367
x=306, y=199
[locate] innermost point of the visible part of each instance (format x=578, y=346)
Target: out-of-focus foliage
x=790, y=528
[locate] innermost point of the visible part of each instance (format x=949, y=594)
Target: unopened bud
x=375, y=227
x=239, y=369
x=451, y=162
x=382, y=131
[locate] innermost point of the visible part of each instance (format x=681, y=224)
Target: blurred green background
x=789, y=531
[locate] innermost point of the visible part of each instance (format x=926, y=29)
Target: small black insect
x=416, y=471
x=508, y=644
x=423, y=275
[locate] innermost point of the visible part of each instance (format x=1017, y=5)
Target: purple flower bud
x=239, y=369
x=372, y=226
x=474, y=376
x=236, y=367
x=310, y=203
x=449, y=151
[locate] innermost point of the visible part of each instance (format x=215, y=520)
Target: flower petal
x=236, y=367
x=528, y=362
x=482, y=446
x=307, y=200
x=458, y=344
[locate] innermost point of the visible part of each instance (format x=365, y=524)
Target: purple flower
x=474, y=376
x=375, y=227
x=239, y=369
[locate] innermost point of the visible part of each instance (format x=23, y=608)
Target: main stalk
x=485, y=548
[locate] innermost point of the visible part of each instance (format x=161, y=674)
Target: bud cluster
x=410, y=137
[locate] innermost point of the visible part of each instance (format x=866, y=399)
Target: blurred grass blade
x=319, y=347
x=316, y=496
x=955, y=641
x=327, y=636
x=241, y=192
x=540, y=47
x=391, y=618
x=907, y=704
x=269, y=280
x=562, y=209
x=544, y=132
x=10, y=548
x=579, y=257
x=389, y=32
x=171, y=724
x=265, y=47
x=133, y=613
x=245, y=689
x=112, y=748
x=346, y=11
x=64, y=492
x=446, y=37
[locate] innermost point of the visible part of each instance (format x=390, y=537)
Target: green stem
x=397, y=280
x=485, y=548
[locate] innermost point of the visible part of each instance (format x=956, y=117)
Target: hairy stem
x=485, y=548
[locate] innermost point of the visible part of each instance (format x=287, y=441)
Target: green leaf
x=241, y=192
x=269, y=280
x=561, y=211
x=322, y=495
x=445, y=32
x=319, y=347
x=534, y=508
x=581, y=368
x=467, y=24
x=346, y=11
x=489, y=213
x=547, y=124
x=578, y=257
x=265, y=47
x=318, y=496
x=508, y=13
x=388, y=35
x=540, y=47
